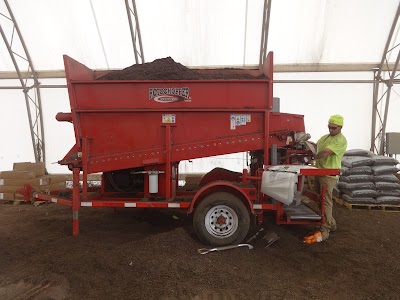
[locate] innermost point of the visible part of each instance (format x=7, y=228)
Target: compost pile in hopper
x=168, y=69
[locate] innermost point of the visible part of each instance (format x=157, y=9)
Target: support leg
x=75, y=201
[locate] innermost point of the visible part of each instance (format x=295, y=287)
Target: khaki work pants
x=330, y=183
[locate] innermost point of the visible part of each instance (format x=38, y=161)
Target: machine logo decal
x=169, y=95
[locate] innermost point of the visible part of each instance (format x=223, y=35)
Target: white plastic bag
x=280, y=182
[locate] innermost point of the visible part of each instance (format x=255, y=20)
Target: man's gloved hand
x=315, y=238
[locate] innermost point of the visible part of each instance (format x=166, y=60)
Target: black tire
x=222, y=207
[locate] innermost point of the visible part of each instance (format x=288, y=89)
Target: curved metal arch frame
x=265, y=32
x=378, y=143
x=135, y=31
x=31, y=93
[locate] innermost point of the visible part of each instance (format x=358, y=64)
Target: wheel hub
x=221, y=221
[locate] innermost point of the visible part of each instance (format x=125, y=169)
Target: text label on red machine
x=169, y=95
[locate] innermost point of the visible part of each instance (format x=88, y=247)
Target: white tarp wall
x=201, y=33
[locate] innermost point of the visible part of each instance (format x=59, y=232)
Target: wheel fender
x=220, y=186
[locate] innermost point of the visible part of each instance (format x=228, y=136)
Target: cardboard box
x=54, y=178
x=51, y=187
x=38, y=168
x=21, y=182
x=43, y=180
x=17, y=175
x=9, y=188
x=6, y=196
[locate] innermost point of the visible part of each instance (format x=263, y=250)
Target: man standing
x=330, y=151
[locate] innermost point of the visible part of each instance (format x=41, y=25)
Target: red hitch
x=27, y=192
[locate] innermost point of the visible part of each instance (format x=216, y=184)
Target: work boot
x=315, y=238
x=334, y=228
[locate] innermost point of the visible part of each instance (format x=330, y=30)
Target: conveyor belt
x=301, y=212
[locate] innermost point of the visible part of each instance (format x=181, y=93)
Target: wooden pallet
x=368, y=206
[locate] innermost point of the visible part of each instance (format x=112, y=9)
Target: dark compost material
x=168, y=69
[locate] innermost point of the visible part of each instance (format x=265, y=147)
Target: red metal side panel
x=282, y=121
x=120, y=132
x=123, y=127
x=112, y=94
x=74, y=70
x=122, y=140
x=134, y=139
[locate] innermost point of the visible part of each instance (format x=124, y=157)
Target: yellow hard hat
x=336, y=119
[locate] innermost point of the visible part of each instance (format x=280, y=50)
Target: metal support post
x=75, y=201
x=379, y=123
x=168, y=161
x=85, y=156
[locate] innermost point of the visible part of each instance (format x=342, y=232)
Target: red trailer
x=135, y=132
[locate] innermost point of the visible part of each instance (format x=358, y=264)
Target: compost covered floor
x=136, y=254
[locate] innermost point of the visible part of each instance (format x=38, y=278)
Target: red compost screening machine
x=136, y=132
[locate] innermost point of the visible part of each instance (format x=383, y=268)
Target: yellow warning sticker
x=167, y=119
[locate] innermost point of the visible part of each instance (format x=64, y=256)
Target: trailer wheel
x=221, y=219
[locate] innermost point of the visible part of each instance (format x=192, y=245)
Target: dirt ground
x=145, y=254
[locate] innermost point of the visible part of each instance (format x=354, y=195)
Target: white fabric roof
x=207, y=32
